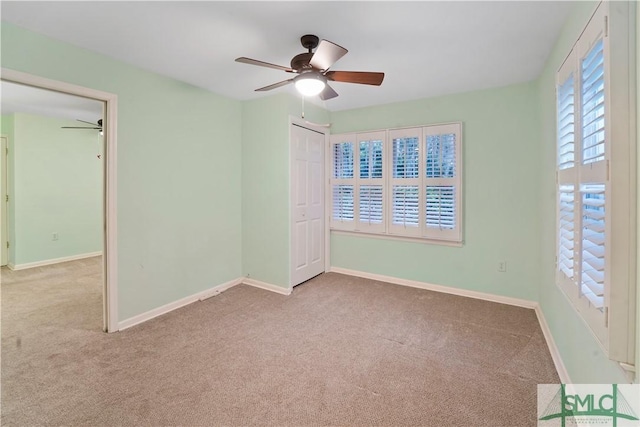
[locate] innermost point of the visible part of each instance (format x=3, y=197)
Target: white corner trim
x=200, y=296
x=266, y=286
x=438, y=288
x=135, y=320
x=52, y=261
x=553, y=349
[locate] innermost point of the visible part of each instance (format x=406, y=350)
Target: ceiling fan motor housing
x=301, y=62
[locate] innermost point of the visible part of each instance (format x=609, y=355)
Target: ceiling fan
x=313, y=69
x=96, y=126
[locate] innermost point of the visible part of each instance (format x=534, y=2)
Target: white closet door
x=307, y=199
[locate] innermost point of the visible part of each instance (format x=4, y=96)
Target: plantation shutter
x=370, y=182
x=566, y=124
x=567, y=243
x=593, y=244
x=343, y=182
x=399, y=182
x=566, y=234
x=596, y=184
x=593, y=238
x=592, y=75
x=442, y=155
x=582, y=187
x=406, y=181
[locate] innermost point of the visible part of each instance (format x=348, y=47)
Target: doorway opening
x=4, y=200
x=104, y=152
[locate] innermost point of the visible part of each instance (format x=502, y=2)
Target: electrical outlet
x=54, y=236
x=502, y=266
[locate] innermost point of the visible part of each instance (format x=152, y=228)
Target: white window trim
x=397, y=238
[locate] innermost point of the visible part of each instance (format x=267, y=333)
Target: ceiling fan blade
x=263, y=64
x=74, y=127
x=328, y=93
x=361, y=77
x=89, y=123
x=326, y=55
x=274, y=86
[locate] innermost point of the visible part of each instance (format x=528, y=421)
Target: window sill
x=422, y=240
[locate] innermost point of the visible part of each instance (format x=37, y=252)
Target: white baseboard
x=135, y=320
x=266, y=286
x=53, y=261
x=553, y=349
x=551, y=344
x=200, y=296
x=438, y=288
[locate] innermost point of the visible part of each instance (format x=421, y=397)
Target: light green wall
x=500, y=184
x=179, y=179
x=265, y=185
x=57, y=188
x=582, y=355
x=312, y=112
x=6, y=128
x=638, y=183
x=265, y=190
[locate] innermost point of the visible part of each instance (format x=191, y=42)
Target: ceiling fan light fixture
x=310, y=84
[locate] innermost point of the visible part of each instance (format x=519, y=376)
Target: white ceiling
x=26, y=99
x=425, y=48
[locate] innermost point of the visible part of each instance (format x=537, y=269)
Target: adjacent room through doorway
x=53, y=180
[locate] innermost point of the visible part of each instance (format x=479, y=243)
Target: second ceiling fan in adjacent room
x=96, y=126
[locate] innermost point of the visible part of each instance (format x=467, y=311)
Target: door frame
x=4, y=192
x=297, y=121
x=110, y=247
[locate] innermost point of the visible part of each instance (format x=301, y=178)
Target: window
x=342, y=182
x=370, y=182
x=595, y=201
x=399, y=182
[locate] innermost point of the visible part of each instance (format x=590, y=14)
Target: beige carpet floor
x=339, y=351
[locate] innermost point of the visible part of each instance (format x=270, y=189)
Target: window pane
x=343, y=202
x=371, y=204
x=593, y=105
x=441, y=207
x=566, y=125
x=405, y=205
x=593, y=243
x=441, y=156
x=371, y=159
x=343, y=160
x=566, y=223
x=405, y=157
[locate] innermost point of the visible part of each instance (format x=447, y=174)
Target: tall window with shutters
x=587, y=205
x=343, y=183
x=370, y=182
x=405, y=182
x=442, y=183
